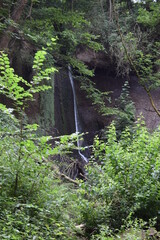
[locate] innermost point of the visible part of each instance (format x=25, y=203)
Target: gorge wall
x=91, y=121
x=54, y=109
x=106, y=80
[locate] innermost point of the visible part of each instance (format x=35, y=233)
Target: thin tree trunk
x=72, y=3
x=30, y=10
x=110, y=10
x=15, y=16
x=101, y=3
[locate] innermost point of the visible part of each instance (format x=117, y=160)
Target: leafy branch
x=132, y=63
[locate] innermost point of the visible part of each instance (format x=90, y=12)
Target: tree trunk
x=101, y=3
x=15, y=16
x=110, y=10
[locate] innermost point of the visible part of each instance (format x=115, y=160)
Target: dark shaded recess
x=91, y=119
x=64, y=108
x=150, y=211
x=6, y=101
x=22, y=68
x=107, y=80
x=22, y=60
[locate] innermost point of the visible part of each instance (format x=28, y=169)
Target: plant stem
x=19, y=153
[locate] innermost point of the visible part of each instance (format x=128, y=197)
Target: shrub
x=125, y=179
x=33, y=203
x=126, y=115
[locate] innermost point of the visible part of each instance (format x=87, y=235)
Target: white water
x=77, y=123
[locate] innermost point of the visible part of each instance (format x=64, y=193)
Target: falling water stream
x=77, y=122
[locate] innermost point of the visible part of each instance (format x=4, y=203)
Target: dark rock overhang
x=92, y=58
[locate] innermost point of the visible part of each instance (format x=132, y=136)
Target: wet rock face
x=105, y=80
x=58, y=103
x=22, y=59
x=63, y=101
x=91, y=121
x=143, y=104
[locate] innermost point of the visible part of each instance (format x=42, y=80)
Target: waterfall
x=77, y=122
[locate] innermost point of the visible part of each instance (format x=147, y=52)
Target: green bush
x=124, y=180
x=33, y=202
x=123, y=176
x=126, y=115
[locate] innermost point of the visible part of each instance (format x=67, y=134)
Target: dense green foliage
x=124, y=180
x=119, y=197
x=126, y=116
x=30, y=201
